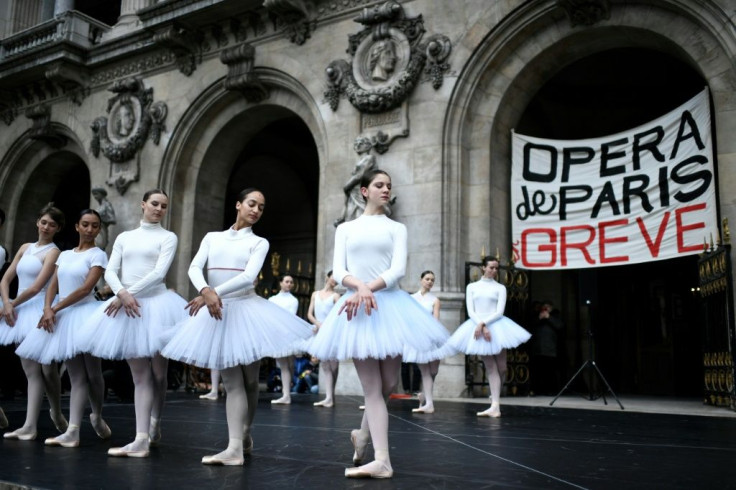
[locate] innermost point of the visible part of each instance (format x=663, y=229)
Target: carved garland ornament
x=388, y=60
x=132, y=115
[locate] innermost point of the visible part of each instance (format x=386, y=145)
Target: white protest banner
x=645, y=194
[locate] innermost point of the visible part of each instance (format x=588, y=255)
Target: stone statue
x=354, y=203
x=107, y=215
x=382, y=60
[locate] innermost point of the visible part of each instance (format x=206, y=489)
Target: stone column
x=128, y=8
x=26, y=13
x=128, y=20
x=61, y=6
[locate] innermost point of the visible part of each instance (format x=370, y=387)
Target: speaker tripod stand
x=592, y=368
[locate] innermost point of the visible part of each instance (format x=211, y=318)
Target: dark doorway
x=63, y=179
x=281, y=160
x=644, y=317
x=644, y=322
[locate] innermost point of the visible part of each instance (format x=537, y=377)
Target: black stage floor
x=299, y=446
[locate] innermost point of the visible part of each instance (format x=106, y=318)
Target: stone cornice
x=78, y=43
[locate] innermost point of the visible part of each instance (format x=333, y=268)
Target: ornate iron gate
x=719, y=342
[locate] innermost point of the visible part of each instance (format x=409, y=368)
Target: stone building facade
x=205, y=97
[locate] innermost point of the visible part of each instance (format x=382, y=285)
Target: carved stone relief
x=240, y=75
x=73, y=81
x=107, y=216
x=586, y=12
x=388, y=60
x=42, y=130
x=295, y=18
x=382, y=129
x=185, y=44
x=354, y=203
x=132, y=117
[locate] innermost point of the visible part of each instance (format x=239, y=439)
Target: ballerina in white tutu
x=237, y=328
x=488, y=333
x=429, y=370
x=287, y=301
x=320, y=304
x=380, y=322
x=57, y=339
x=131, y=324
x=34, y=265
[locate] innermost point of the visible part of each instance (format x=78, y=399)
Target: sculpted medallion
x=388, y=60
x=132, y=118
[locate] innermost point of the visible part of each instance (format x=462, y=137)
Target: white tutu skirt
x=505, y=334
x=251, y=328
x=29, y=313
x=399, y=326
x=64, y=342
x=123, y=337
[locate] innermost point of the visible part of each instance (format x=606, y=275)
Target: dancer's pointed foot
x=212, y=395
x=423, y=409
x=154, y=432
x=360, y=440
x=374, y=469
x=3, y=420
x=327, y=403
x=136, y=449
x=100, y=426
x=361, y=407
x=22, y=434
x=248, y=444
x=59, y=421
x=284, y=400
x=493, y=412
x=67, y=439
x=228, y=457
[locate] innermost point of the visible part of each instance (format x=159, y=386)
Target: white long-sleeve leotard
x=233, y=258
x=486, y=300
x=286, y=301
x=145, y=255
x=370, y=247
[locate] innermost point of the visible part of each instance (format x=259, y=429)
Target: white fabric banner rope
x=645, y=194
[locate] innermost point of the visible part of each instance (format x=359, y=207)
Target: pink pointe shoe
x=121, y=452
x=20, y=435
x=63, y=440
x=374, y=469
x=493, y=412
x=225, y=458
x=136, y=449
x=100, y=426
x=360, y=442
x=284, y=400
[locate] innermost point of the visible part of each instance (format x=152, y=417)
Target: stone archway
x=206, y=145
x=515, y=60
x=34, y=174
